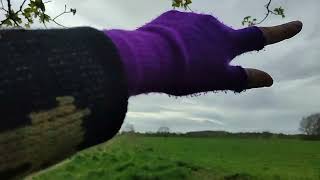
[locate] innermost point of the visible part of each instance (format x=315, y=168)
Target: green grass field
x=142, y=158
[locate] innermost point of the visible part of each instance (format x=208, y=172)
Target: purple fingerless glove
x=184, y=53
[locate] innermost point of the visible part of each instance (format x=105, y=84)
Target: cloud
x=206, y=120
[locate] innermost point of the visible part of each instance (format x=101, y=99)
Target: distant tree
x=164, y=130
x=128, y=128
x=311, y=125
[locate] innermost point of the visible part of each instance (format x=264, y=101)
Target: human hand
x=183, y=53
x=210, y=46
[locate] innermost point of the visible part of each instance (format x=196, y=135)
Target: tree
x=27, y=12
x=164, y=130
x=311, y=125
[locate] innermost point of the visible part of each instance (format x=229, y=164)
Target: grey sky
x=294, y=64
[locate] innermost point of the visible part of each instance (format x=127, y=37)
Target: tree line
x=309, y=127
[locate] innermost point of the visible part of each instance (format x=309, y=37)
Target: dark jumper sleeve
x=61, y=91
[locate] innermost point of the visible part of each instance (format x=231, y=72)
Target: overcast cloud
x=294, y=64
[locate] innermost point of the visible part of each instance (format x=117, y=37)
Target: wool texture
x=181, y=53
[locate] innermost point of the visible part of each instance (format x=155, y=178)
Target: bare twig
x=16, y=24
x=268, y=12
x=2, y=22
x=44, y=24
x=276, y=11
x=21, y=6
x=2, y=7
x=64, y=12
x=9, y=6
x=12, y=13
x=189, y=8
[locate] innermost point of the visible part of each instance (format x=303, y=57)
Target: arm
x=65, y=90
x=60, y=91
x=185, y=53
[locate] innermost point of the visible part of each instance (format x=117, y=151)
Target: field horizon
x=145, y=157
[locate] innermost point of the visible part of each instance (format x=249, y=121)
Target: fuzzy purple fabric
x=181, y=53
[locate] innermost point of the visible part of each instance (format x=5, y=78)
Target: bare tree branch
x=21, y=6
x=2, y=7
x=9, y=6
x=64, y=12
x=189, y=8
x=27, y=15
x=276, y=11
x=268, y=12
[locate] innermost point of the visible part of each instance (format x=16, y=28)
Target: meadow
x=155, y=158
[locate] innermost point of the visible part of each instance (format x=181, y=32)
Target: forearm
x=61, y=91
x=152, y=61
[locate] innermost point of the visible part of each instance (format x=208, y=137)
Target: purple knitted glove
x=184, y=53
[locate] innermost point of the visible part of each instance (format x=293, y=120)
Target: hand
x=182, y=53
x=208, y=46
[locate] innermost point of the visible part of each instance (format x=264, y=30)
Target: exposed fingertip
x=258, y=79
x=281, y=32
x=298, y=24
x=268, y=81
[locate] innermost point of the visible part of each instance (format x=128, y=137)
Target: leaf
x=279, y=11
x=181, y=3
x=19, y=20
x=7, y=22
x=27, y=11
x=188, y=2
x=32, y=4
x=44, y=17
x=247, y=17
x=74, y=11
x=175, y=4
x=40, y=5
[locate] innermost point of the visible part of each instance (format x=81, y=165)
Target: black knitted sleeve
x=61, y=90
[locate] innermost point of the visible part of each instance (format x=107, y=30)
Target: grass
x=153, y=158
